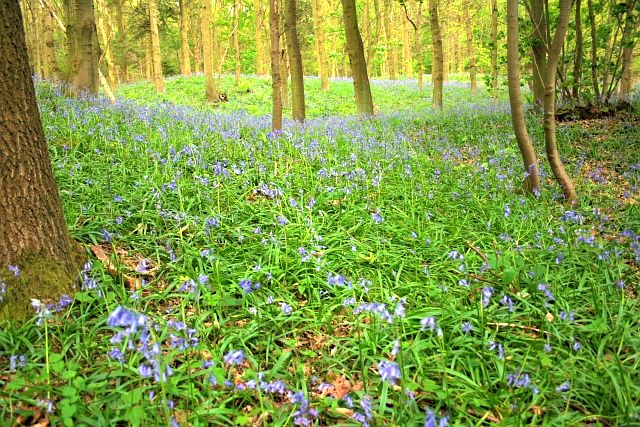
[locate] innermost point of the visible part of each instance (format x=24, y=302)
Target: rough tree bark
x=185, y=57
x=276, y=108
x=319, y=17
x=155, y=47
x=106, y=34
x=83, y=49
x=211, y=90
x=295, y=60
x=532, y=180
x=539, y=45
x=355, y=50
x=494, y=48
x=577, y=61
x=437, y=76
x=549, y=121
x=35, y=237
x=50, y=48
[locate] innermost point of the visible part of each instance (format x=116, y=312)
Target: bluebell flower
x=428, y=322
x=14, y=269
x=466, y=327
x=286, y=308
x=563, y=387
x=389, y=371
x=234, y=357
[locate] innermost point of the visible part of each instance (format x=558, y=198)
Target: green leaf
x=69, y=391
x=509, y=275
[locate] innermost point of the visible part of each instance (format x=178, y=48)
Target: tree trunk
x=379, y=18
x=627, y=50
x=83, y=49
x=148, y=60
x=406, y=49
x=577, y=62
x=122, y=39
x=472, y=52
x=259, y=23
x=388, y=17
x=419, y=48
x=211, y=90
x=185, y=57
x=539, y=44
x=549, y=121
x=494, y=49
x=295, y=59
x=50, y=48
x=319, y=17
x=276, y=108
x=155, y=46
x=237, y=5
x=35, y=237
x=284, y=67
x=532, y=180
x=355, y=50
x=437, y=76
x=106, y=34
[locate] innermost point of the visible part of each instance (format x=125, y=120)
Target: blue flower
x=234, y=357
x=389, y=371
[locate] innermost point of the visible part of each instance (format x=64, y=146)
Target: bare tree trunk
x=35, y=237
x=532, y=180
x=355, y=50
x=155, y=46
x=211, y=91
x=594, y=50
x=627, y=50
x=494, y=48
x=83, y=50
x=388, y=17
x=148, y=60
x=437, y=76
x=295, y=59
x=472, y=52
x=122, y=41
x=258, y=11
x=36, y=28
x=284, y=66
x=319, y=17
x=106, y=34
x=577, y=61
x=549, y=121
x=406, y=49
x=185, y=56
x=276, y=109
x=379, y=18
x=50, y=48
x=237, y=5
x=539, y=46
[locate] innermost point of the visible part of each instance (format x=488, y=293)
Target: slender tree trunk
x=355, y=50
x=295, y=59
x=155, y=46
x=419, y=48
x=185, y=56
x=388, y=17
x=406, y=49
x=276, y=109
x=627, y=50
x=50, y=48
x=122, y=41
x=35, y=237
x=539, y=47
x=284, y=66
x=472, y=52
x=237, y=6
x=198, y=63
x=148, y=60
x=36, y=27
x=549, y=121
x=437, y=76
x=211, y=91
x=379, y=18
x=494, y=48
x=106, y=34
x=594, y=50
x=83, y=50
x=532, y=180
x=258, y=11
x=577, y=62
x=319, y=17
x=368, y=38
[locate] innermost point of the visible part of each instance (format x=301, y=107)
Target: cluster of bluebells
x=16, y=362
x=3, y=290
x=304, y=414
x=431, y=420
x=521, y=380
x=248, y=286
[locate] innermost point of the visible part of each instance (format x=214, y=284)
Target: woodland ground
x=379, y=272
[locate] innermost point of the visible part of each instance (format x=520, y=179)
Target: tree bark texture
x=532, y=180
x=83, y=49
x=471, y=51
x=211, y=91
x=105, y=28
x=390, y=44
x=594, y=50
x=34, y=234
x=259, y=14
x=276, y=107
x=319, y=16
x=437, y=76
x=295, y=60
x=355, y=50
x=185, y=57
x=539, y=46
x=155, y=47
x=577, y=61
x=50, y=48
x=122, y=41
x=494, y=49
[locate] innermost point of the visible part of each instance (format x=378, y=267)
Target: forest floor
x=381, y=271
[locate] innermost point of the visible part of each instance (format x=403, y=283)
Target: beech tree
x=82, y=47
x=155, y=46
x=437, y=67
x=295, y=59
x=185, y=57
x=276, y=109
x=45, y=261
x=211, y=90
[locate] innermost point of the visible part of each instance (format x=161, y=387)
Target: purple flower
x=497, y=346
x=518, y=380
x=432, y=421
x=428, y=322
x=203, y=279
x=286, y=308
x=466, y=327
x=563, y=387
x=14, y=269
x=486, y=295
x=143, y=266
x=389, y=371
x=542, y=287
x=377, y=218
x=234, y=357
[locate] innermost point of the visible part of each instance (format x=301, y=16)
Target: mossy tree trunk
x=276, y=110
x=437, y=68
x=390, y=44
x=532, y=180
x=295, y=59
x=34, y=234
x=105, y=27
x=50, y=48
x=83, y=50
x=355, y=50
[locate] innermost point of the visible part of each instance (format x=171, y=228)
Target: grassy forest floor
x=346, y=272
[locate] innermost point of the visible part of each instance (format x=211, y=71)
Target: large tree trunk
x=35, y=237
x=295, y=59
x=319, y=17
x=237, y=5
x=549, y=121
x=50, y=48
x=472, y=51
x=532, y=180
x=355, y=50
x=577, y=61
x=494, y=49
x=258, y=11
x=36, y=34
x=437, y=76
x=83, y=49
x=211, y=90
x=122, y=41
x=539, y=45
x=155, y=47
x=276, y=109
x=185, y=57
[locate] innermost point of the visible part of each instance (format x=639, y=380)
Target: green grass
x=402, y=217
